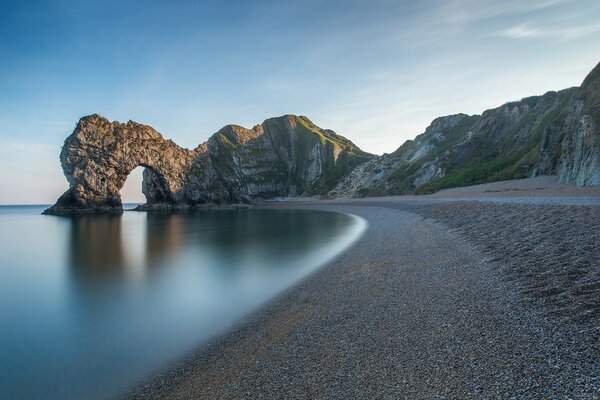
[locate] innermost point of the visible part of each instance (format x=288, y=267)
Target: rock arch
x=283, y=156
x=99, y=156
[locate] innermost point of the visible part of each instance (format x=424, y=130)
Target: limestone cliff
x=554, y=134
x=284, y=156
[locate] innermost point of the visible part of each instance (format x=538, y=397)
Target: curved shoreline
x=411, y=309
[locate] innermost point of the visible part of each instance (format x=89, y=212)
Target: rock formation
x=285, y=156
x=554, y=134
x=580, y=157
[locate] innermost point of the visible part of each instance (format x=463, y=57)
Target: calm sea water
x=89, y=306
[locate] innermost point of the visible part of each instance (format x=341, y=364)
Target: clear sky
x=375, y=71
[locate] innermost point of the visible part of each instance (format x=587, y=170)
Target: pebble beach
x=472, y=293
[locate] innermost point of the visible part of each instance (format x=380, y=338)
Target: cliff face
x=557, y=133
x=580, y=158
x=283, y=156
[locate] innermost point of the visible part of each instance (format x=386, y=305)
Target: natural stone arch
x=131, y=192
x=152, y=185
x=283, y=156
x=99, y=156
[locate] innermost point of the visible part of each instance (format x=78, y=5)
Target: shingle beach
x=443, y=297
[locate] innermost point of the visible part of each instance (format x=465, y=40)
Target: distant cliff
x=554, y=134
x=285, y=156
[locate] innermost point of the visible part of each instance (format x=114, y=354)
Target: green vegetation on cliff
x=553, y=134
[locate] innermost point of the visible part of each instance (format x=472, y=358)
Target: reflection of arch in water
x=164, y=235
x=239, y=234
x=95, y=245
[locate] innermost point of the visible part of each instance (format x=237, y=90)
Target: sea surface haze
x=92, y=305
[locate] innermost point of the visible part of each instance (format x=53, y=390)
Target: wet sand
x=444, y=296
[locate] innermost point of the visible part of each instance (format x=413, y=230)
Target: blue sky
x=375, y=71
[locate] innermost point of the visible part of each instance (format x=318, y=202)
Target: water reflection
x=95, y=247
x=164, y=235
x=105, y=300
x=98, y=248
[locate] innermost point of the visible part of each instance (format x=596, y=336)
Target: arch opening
x=131, y=192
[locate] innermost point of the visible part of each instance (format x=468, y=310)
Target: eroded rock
x=283, y=156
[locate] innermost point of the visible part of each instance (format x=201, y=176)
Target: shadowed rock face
x=580, y=158
x=284, y=156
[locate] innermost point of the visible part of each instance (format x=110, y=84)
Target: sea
x=91, y=306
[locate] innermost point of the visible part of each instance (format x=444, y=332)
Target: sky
x=375, y=71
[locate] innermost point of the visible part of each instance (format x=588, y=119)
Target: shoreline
x=522, y=190
x=415, y=308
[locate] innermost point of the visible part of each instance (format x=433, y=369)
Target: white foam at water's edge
x=321, y=257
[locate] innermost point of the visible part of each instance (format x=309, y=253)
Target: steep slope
x=283, y=156
x=557, y=133
x=580, y=158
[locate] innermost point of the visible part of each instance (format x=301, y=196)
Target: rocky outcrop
x=554, y=134
x=285, y=156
